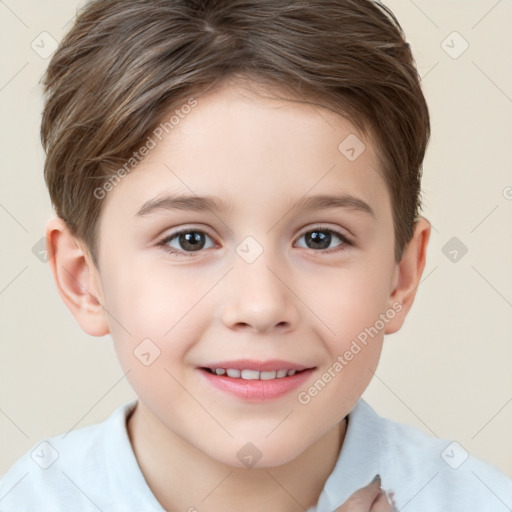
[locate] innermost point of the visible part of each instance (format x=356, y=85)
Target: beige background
x=447, y=372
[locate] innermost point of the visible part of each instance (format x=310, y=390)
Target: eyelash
x=342, y=247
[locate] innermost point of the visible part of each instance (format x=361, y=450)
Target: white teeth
x=254, y=374
x=250, y=374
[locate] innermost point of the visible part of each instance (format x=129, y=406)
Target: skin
x=295, y=302
x=369, y=499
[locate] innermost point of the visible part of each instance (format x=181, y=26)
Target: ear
x=77, y=279
x=408, y=274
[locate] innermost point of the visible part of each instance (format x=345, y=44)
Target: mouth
x=255, y=381
x=247, y=374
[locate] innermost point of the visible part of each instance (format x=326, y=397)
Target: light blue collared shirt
x=94, y=468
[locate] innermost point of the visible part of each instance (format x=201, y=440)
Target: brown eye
x=322, y=238
x=191, y=241
x=185, y=241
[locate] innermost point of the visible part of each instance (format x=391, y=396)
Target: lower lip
x=257, y=390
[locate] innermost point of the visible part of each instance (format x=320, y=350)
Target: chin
x=262, y=453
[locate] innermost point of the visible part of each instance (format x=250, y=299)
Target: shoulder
x=74, y=471
x=433, y=473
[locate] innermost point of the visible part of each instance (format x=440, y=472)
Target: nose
x=259, y=298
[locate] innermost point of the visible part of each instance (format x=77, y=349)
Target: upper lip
x=261, y=366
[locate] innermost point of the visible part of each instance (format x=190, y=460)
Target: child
x=237, y=193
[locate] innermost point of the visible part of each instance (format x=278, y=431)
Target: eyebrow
x=198, y=203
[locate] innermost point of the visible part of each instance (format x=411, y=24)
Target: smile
x=246, y=374
x=254, y=381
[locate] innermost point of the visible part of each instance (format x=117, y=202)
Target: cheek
x=350, y=300
x=149, y=300
x=155, y=310
x=355, y=311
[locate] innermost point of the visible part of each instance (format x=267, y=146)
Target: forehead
x=252, y=150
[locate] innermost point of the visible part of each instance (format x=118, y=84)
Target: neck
x=184, y=478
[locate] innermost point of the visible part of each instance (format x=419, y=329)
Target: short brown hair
x=126, y=63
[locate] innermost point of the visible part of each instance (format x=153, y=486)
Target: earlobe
x=408, y=274
x=76, y=277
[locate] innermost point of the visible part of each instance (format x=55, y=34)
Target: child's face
x=260, y=281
